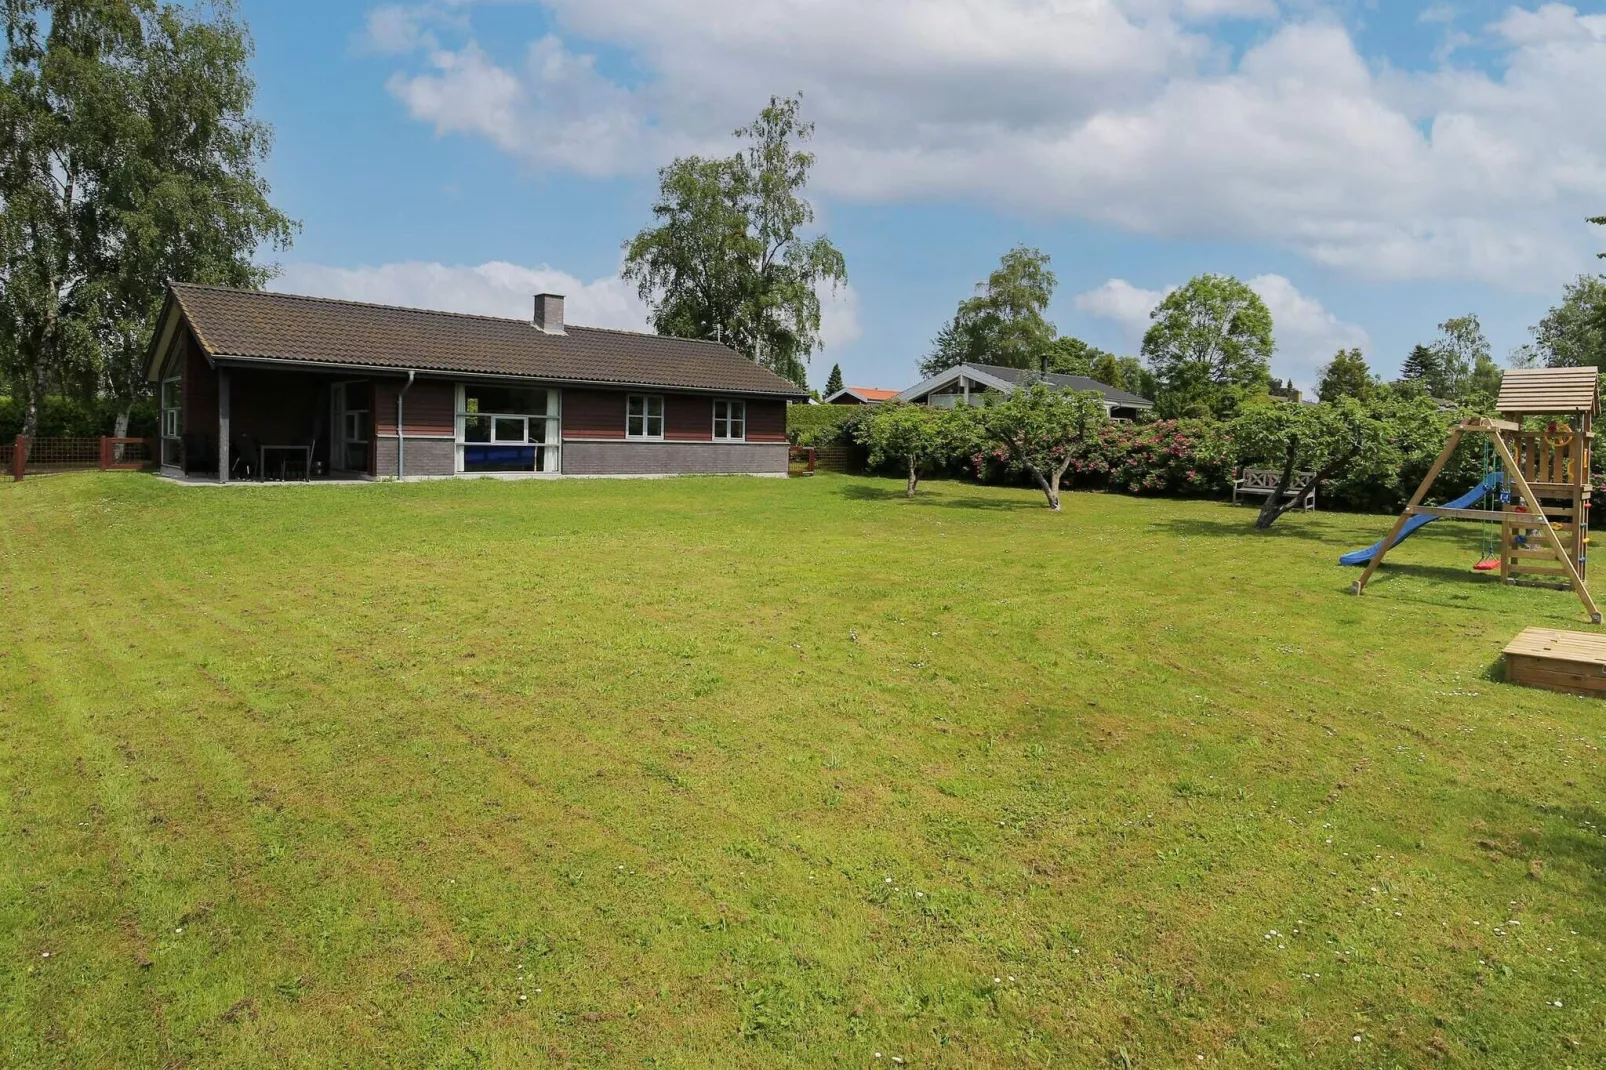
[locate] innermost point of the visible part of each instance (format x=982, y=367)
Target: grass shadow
x=1565, y=842
x=1203, y=527
x=868, y=493
x=1440, y=573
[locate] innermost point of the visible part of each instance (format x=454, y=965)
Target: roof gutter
x=446, y=373
x=401, y=433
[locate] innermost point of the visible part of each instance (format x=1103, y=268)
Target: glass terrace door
x=353, y=427
x=507, y=429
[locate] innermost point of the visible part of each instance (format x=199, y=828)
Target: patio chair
x=198, y=453
x=247, y=454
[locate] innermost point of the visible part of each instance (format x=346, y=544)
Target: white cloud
x=839, y=316
x=555, y=111
x=1126, y=304
x=395, y=28
x=1228, y=9
x=1307, y=334
x=1123, y=111
x=499, y=288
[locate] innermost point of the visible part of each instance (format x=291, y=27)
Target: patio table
x=301, y=448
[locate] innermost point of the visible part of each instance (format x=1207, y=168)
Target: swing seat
x=1488, y=564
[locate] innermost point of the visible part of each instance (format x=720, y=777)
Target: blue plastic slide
x=1491, y=482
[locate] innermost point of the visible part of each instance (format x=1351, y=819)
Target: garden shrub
x=60, y=416
x=1175, y=457
x=824, y=425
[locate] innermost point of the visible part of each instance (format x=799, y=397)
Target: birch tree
x=729, y=260
x=128, y=155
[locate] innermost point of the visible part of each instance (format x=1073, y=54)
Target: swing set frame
x=1547, y=472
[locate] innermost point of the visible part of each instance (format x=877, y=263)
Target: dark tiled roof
x=1064, y=382
x=255, y=324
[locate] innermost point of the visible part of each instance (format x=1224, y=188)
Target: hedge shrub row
x=822, y=425
x=84, y=419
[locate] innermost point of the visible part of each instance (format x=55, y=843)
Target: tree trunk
x=120, y=430
x=36, y=395
x=914, y=476
x=1056, y=481
x=1277, y=505
x=1272, y=507
x=1051, y=490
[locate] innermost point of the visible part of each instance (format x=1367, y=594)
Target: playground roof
x=1549, y=390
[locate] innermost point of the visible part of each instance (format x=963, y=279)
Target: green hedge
x=69, y=417
x=822, y=425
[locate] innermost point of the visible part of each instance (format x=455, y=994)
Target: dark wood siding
x=430, y=407
x=688, y=418
x=766, y=420
x=198, y=412
x=593, y=414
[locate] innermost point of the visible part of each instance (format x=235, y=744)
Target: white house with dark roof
x=966, y=384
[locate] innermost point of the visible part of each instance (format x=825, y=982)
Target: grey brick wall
x=425, y=456
x=673, y=458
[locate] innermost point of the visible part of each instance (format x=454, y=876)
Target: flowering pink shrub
x=1177, y=457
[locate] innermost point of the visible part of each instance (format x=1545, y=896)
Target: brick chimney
x=549, y=313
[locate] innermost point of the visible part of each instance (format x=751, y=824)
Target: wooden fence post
x=19, y=458
x=105, y=453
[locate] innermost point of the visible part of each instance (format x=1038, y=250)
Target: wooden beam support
x=1514, y=474
x=1416, y=500
x=1489, y=423
x=223, y=418
x=1456, y=514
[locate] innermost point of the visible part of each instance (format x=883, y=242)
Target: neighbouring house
x=969, y=384
x=251, y=382
x=860, y=395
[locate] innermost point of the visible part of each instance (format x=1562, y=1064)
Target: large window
x=172, y=420
x=730, y=420
x=644, y=416
x=507, y=429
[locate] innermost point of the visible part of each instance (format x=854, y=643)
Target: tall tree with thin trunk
x=128, y=155
x=728, y=260
x=1461, y=348
x=1003, y=323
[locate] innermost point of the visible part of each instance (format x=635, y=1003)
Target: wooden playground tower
x=1543, y=440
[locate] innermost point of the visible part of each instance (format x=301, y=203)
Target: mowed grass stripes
x=734, y=772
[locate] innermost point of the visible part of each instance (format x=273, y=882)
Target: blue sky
x=1374, y=167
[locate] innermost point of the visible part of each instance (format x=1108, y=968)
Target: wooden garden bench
x=1262, y=482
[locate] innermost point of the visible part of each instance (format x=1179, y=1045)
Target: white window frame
x=175, y=411
x=645, y=416
x=551, y=458
x=172, y=420
x=735, y=414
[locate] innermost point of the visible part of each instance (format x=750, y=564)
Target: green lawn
x=734, y=772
